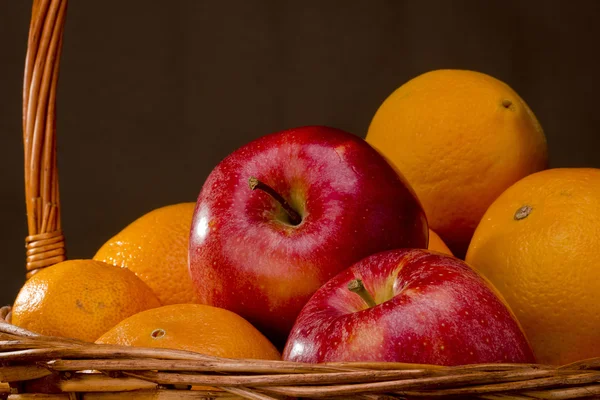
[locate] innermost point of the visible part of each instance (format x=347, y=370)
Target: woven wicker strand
x=45, y=243
x=34, y=363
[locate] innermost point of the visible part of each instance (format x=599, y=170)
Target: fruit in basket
x=80, y=299
x=155, y=248
x=437, y=244
x=538, y=244
x=408, y=305
x=322, y=199
x=193, y=327
x=460, y=138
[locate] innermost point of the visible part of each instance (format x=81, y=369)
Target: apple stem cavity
x=293, y=215
x=356, y=286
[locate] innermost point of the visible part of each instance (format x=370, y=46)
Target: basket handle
x=45, y=243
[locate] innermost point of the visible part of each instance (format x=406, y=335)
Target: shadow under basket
x=41, y=367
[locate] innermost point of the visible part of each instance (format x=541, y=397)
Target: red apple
x=427, y=308
x=323, y=200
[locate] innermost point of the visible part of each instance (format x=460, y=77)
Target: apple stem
x=356, y=286
x=254, y=184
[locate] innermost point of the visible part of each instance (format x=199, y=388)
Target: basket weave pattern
x=45, y=243
x=40, y=367
x=38, y=363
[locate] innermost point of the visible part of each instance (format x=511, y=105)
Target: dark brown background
x=153, y=94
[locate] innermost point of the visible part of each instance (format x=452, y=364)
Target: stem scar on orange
x=538, y=244
x=460, y=138
x=194, y=327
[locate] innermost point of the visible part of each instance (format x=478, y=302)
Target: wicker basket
x=40, y=367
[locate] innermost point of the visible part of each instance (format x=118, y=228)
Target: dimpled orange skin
x=193, y=327
x=437, y=244
x=460, y=138
x=155, y=248
x=80, y=299
x=538, y=244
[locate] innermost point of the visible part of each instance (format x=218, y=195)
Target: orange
x=437, y=244
x=460, y=138
x=538, y=244
x=155, y=248
x=193, y=327
x=80, y=299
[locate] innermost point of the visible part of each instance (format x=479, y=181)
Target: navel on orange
x=80, y=299
x=194, y=327
x=460, y=138
x=155, y=248
x=538, y=244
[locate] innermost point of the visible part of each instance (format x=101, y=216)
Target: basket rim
x=38, y=357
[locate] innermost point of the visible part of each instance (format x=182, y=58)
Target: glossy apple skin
x=244, y=257
x=439, y=311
